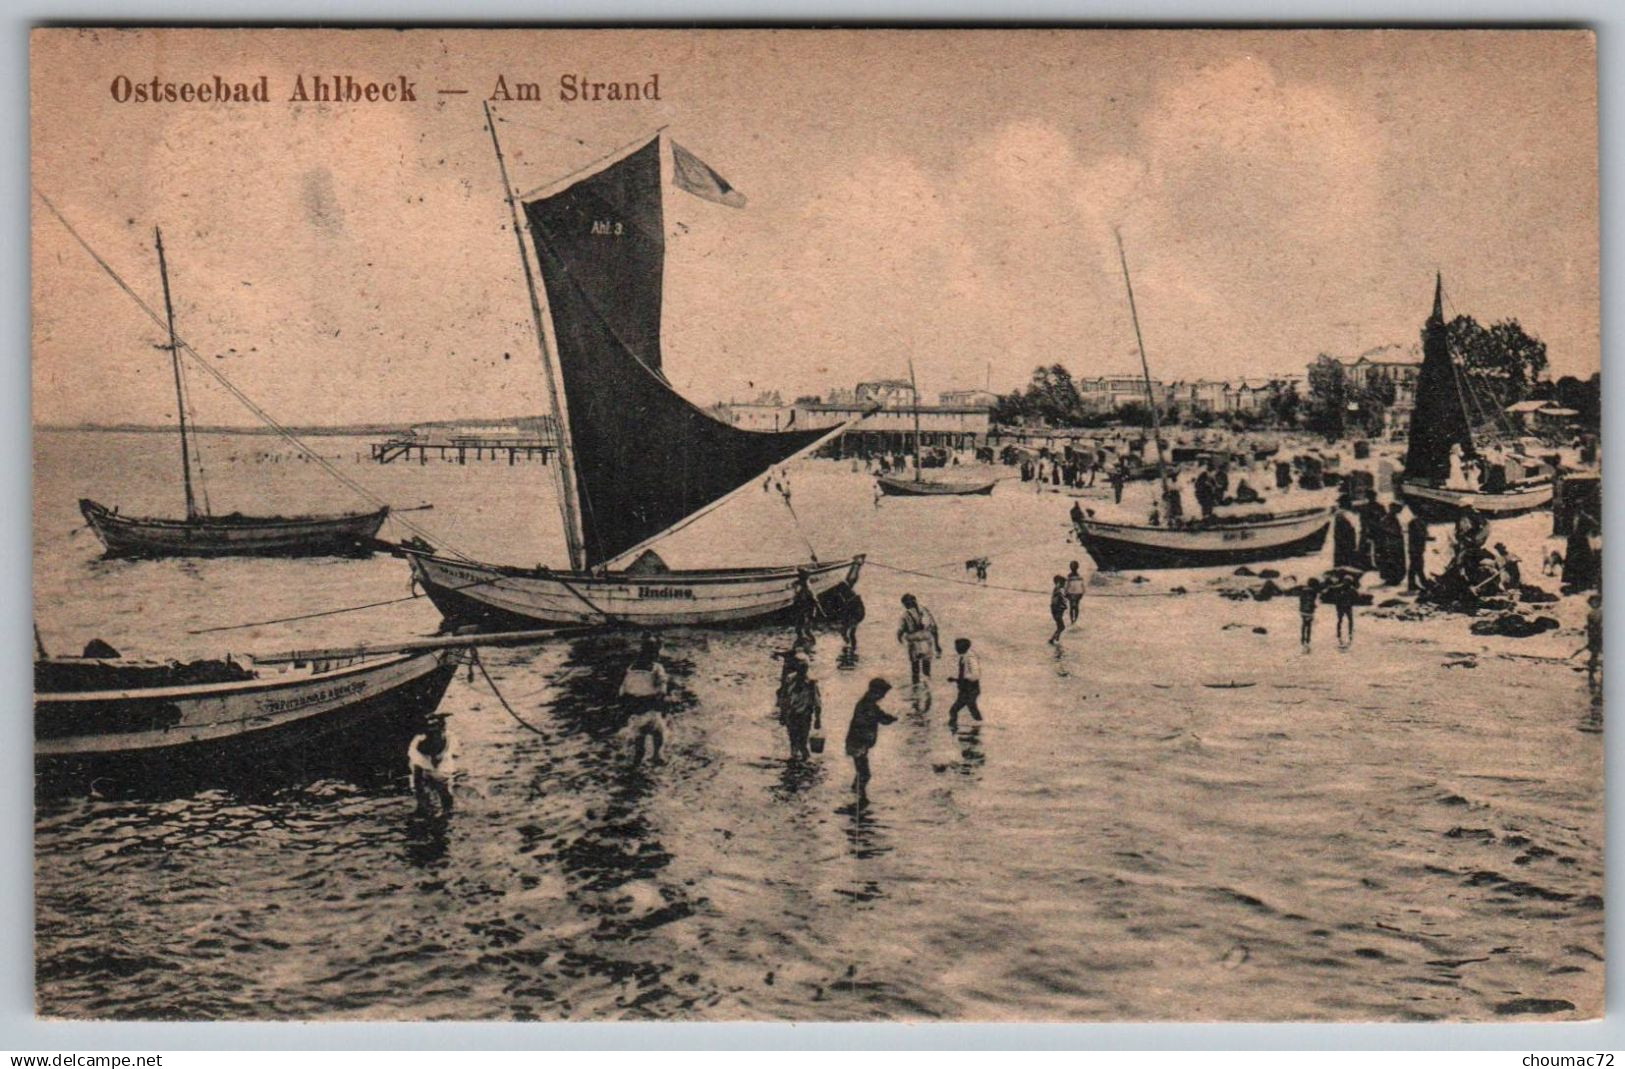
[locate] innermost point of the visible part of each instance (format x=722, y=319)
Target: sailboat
x=919, y=486
x=1441, y=438
x=202, y=534
x=638, y=461
x=1222, y=540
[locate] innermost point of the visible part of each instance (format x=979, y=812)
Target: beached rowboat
x=1203, y=545
x=893, y=487
x=1438, y=503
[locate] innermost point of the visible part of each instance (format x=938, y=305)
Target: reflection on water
x=1359, y=834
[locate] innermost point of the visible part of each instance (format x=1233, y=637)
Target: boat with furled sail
x=202, y=534
x=919, y=486
x=1228, y=537
x=599, y=243
x=1442, y=449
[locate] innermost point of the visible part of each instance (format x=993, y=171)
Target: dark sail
x=645, y=458
x=1438, y=420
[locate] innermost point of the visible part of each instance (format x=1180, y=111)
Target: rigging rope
x=246, y=401
x=305, y=616
x=1019, y=589
x=474, y=655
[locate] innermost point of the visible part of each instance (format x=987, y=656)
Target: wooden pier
x=462, y=449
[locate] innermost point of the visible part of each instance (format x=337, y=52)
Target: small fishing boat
x=119, y=725
x=895, y=487
x=1203, y=545
x=919, y=486
x=201, y=534
x=1224, y=539
x=1441, y=440
x=135, y=725
x=341, y=535
x=637, y=460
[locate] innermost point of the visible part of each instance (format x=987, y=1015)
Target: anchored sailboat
x=1436, y=484
x=919, y=486
x=201, y=534
x=637, y=460
x=1198, y=543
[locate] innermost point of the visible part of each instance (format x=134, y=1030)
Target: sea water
x=1176, y=814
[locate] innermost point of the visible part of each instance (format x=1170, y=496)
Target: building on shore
x=885, y=413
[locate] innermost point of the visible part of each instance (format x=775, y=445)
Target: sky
x=945, y=197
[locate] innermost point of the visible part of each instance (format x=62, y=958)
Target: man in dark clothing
x=1416, y=534
x=1077, y=514
x=864, y=731
x=1391, y=547
x=1206, y=493
x=1345, y=538
x=1117, y=478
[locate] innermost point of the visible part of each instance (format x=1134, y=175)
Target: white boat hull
x=1121, y=545
x=494, y=596
x=1438, y=503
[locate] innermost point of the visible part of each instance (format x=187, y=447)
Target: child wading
x=432, y=762
x=864, y=732
x=1074, y=593
x=969, y=679
x=918, y=632
x=1057, y=608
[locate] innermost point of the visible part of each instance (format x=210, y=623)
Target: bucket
x=815, y=741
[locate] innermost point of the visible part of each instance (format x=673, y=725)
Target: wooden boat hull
x=892, y=487
x=492, y=596
x=345, y=534
x=1438, y=504
x=1116, y=546
x=302, y=723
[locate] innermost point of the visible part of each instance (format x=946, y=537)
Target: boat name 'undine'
x=665, y=592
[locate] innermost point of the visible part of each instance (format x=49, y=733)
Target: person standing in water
x=800, y=704
x=643, y=689
x=969, y=680
x=1057, y=608
x=431, y=759
x=1074, y=593
x=917, y=631
x=864, y=731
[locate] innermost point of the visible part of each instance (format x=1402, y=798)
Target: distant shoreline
x=349, y=430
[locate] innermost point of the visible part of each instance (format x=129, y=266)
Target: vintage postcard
x=699, y=525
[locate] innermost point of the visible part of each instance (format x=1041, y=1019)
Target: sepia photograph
x=809, y=525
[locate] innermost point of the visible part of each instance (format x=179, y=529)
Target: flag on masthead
x=693, y=174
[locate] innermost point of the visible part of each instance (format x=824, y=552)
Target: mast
x=1145, y=367
x=568, y=504
x=915, y=390
x=180, y=398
